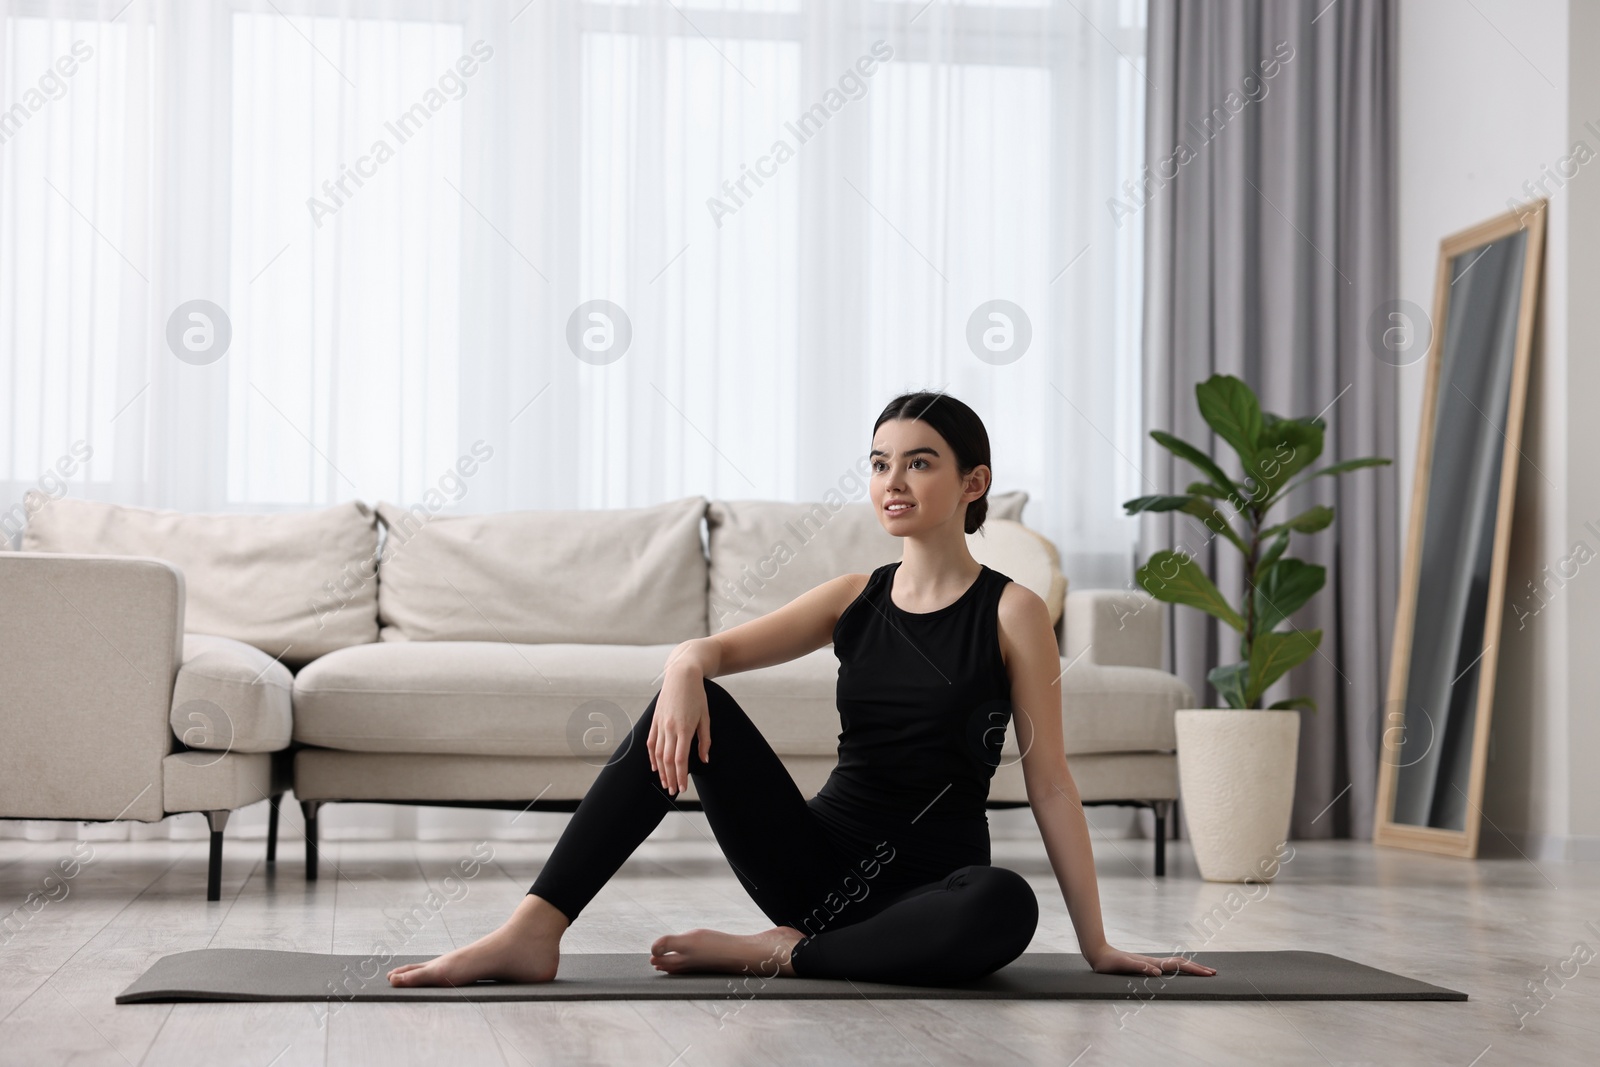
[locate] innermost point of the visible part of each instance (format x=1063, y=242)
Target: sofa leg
x=1162, y=807
x=309, y=809
x=272, y=827
x=217, y=820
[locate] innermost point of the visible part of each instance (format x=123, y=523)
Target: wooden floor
x=1487, y=927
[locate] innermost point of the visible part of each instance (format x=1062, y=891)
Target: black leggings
x=966, y=924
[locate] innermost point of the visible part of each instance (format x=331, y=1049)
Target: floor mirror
x=1436, y=715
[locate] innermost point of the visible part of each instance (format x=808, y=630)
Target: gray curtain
x=1270, y=252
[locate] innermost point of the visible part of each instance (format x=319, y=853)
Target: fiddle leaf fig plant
x=1272, y=451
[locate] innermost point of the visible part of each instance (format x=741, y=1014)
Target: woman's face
x=913, y=464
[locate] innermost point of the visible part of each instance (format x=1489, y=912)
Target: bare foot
x=527, y=948
x=766, y=953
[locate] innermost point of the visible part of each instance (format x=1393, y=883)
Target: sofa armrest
x=89, y=649
x=1112, y=628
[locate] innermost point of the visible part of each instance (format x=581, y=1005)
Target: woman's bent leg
x=774, y=843
x=620, y=809
x=968, y=925
x=779, y=850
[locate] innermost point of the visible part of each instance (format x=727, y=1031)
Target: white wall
x=1493, y=95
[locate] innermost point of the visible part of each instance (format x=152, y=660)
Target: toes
x=673, y=942
x=403, y=970
x=413, y=974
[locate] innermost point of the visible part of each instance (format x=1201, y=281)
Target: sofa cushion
x=627, y=576
x=497, y=699
x=1007, y=505
x=764, y=553
x=296, y=585
x=231, y=697
x=1120, y=709
x=492, y=698
x=1025, y=556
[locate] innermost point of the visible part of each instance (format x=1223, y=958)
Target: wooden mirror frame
x=1386, y=832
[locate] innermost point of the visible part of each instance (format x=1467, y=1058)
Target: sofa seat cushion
x=495, y=698
x=1119, y=709
x=231, y=697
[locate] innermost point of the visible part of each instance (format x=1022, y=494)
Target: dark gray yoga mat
x=263, y=974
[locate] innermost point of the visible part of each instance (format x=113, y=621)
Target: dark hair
x=957, y=424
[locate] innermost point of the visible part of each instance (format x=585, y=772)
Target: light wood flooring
x=1487, y=927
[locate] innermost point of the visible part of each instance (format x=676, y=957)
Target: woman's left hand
x=1114, y=961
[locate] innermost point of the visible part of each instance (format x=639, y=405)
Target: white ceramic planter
x=1236, y=773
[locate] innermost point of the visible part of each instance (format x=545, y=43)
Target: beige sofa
x=482, y=660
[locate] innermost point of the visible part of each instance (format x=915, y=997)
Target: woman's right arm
x=803, y=625
x=681, y=717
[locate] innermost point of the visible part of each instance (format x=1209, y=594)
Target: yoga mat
x=263, y=974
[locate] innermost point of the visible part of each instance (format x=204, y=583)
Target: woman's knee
x=723, y=709
x=724, y=712
x=987, y=880
x=1007, y=909
x=718, y=700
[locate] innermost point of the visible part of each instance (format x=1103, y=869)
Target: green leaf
x=1268, y=418
x=1274, y=550
x=1156, y=503
x=1231, y=410
x=1207, y=489
x=1274, y=654
x=1312, y=519
x=1177, y=579
x=1283, y=588
x=1229, y=683
x=1293, y=702
x=1337, y=468
x=1215, y=519
x=1286, y=448
x=1184, y=450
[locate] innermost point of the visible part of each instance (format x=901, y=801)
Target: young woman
x=884, y=874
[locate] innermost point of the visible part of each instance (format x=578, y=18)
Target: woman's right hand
x=682, y=715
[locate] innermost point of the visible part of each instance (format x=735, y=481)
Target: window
x=398, y=247
x=64, y=129
x=343, y=378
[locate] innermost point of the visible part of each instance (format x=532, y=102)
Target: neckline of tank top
x=957, y=602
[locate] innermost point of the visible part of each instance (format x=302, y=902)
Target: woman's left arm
x=1033, y=661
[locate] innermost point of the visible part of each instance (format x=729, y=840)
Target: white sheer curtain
x=401, y=209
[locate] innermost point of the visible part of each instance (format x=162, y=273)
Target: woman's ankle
x=537, y=915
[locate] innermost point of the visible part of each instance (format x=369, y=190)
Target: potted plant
x=1236, y=765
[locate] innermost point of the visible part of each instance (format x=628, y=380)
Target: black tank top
x=924, y=701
